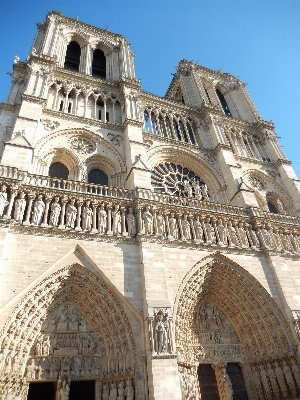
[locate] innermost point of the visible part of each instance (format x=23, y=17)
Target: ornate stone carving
x=49, y=124
x=102, y=219
x=147, y=218
x=20, y=205
x=177, y=180
x=115, y=139
x=81, y=145
x=55, y=212
x=131, y=222
x=71, y=214
x=3, y=199
x=87, y=214
x=38, y=210
x=256, y=183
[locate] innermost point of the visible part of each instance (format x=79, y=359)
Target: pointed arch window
x=99, y=64
x=272, y=208
x=223, y=103
x=72, y=59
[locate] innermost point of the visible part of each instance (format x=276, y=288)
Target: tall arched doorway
x=68, y=335
x=233, y=341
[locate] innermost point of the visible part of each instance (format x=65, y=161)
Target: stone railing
x=41, y=181
x=35, y=201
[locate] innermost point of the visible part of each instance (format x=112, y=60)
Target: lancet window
x=170, y=126
x=72, y=59
x=99, y=64
x=84, y=103
x=223, y=103
x=179, y=181
x=245, y=144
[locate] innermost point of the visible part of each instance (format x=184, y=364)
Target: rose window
x=179, y=181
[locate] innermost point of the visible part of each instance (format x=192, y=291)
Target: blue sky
x=255, y=40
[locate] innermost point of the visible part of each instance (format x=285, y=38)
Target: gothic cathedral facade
x=150, y=245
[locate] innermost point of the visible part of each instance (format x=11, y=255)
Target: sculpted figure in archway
x=129, y=390
x=131, y=222
x=148, y=221
x=116, y=221
x=71, y=214
x=55, y=212
x=160, y=222
x=173, y=226
x=20, y=205
x=186, y=228
x=198, y=229
x=102, y=217
x=3, y=199
x=38, y=210
x=161, y=328
x=87, y=214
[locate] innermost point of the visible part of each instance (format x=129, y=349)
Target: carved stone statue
x=210, y=233
x=20, y=205
x=197, y=190
x=121, y=391
x=254, y=237
x=116, y=220
x=55, y=212
x=87, y=214
x=186, y=228
x=198, y=229
x=71, y=214
x=222, y=233
x=102, y=217
x=161, y=328
x=188, y=188
x=233, y=239
x=131, y=222
x=64, y=390
x=204, y=191
x=148, y=221
x=160, y=222
x=31, y=370
x=113, y=391
x=3, y=199
x=173, y=226
x=242, y=235
x=105, y=392
x=38, y=211
x=129, y=390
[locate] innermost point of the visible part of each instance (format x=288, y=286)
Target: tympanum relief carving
x=66, y=348
x=213, y=338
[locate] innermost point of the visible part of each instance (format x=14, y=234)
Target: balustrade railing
x=41, y=201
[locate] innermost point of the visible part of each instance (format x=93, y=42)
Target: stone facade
x=160, y=259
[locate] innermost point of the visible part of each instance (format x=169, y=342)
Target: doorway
x=41, y=390
x=208, y=383
x=82, y=390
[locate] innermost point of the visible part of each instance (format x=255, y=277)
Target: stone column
x=31, y=196
x=47, y=203
x=123, y=224
x=78, y=218
x=109, y=231
x=64, y=201
x=94, y=226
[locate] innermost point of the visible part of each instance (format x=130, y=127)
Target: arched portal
x=227, y=322
x=69, y=328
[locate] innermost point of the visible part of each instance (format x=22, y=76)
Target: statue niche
x=214, y=334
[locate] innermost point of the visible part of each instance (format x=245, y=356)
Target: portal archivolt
x=70, y=326
x=224, y=315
